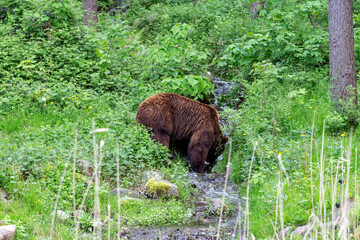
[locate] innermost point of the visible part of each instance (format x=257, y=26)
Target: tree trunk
x=90, y=12
x=343, y=80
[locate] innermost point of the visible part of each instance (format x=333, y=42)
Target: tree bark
x=90, y=12
x=343, y=80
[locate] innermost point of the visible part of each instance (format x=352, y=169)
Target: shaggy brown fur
x=190, y=126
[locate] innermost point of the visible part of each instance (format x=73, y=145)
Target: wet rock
x=7, y=232
x=124, y=192
x=86, y=168
x=61, y=215
x=3, y=196
x=156, y=188
x=216, y=206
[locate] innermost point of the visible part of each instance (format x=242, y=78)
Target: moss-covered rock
x=157, y=188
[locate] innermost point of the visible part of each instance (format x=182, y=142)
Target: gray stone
x=86, y=168
x=61, y=215
x=286, y=230
x=124, y=192
x=302, y=230
x=173, y=191
x=7, y=232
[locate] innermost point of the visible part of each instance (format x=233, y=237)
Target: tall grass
x=333, y=212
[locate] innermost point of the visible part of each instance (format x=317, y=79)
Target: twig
x=308, y=13
x=247, y=220
x=228, y=166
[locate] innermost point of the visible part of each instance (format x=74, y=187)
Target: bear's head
x=217, y=149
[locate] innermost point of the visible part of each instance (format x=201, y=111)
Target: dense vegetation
x=57, y=75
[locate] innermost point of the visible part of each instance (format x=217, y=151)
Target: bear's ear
x=224, y=140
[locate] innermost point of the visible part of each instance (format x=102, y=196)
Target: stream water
x=210, y=187
x=202, y=225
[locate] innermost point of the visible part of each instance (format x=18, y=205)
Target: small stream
x=202, y=225
x=210, y=187
x=221, y=88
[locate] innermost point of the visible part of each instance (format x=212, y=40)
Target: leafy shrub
x=197, y=87
x=175, y=55
x=335, y=122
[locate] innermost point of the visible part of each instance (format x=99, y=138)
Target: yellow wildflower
x=244, y=134
x=343, y=135
x=51, y=102
x=85, y=99
x=74, y=96
x=276, y=170
x=280, y=153
x=44, y=104
x=328, y=179
x=297, y=181
x=90, y=107
x=303, y=135
x=36, y=92
x=310, y=107
x=304, y=178
x=284, y=151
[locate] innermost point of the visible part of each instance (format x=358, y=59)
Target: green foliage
x=197, y=87
x=156, y=213
x=55, y=73
x=39, y=18
x=175, y=55
x=335, y=122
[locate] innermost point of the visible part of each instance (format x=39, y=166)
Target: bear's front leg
x=197, y=152
x=162, y=137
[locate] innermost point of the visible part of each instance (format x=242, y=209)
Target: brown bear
x=190, y=126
